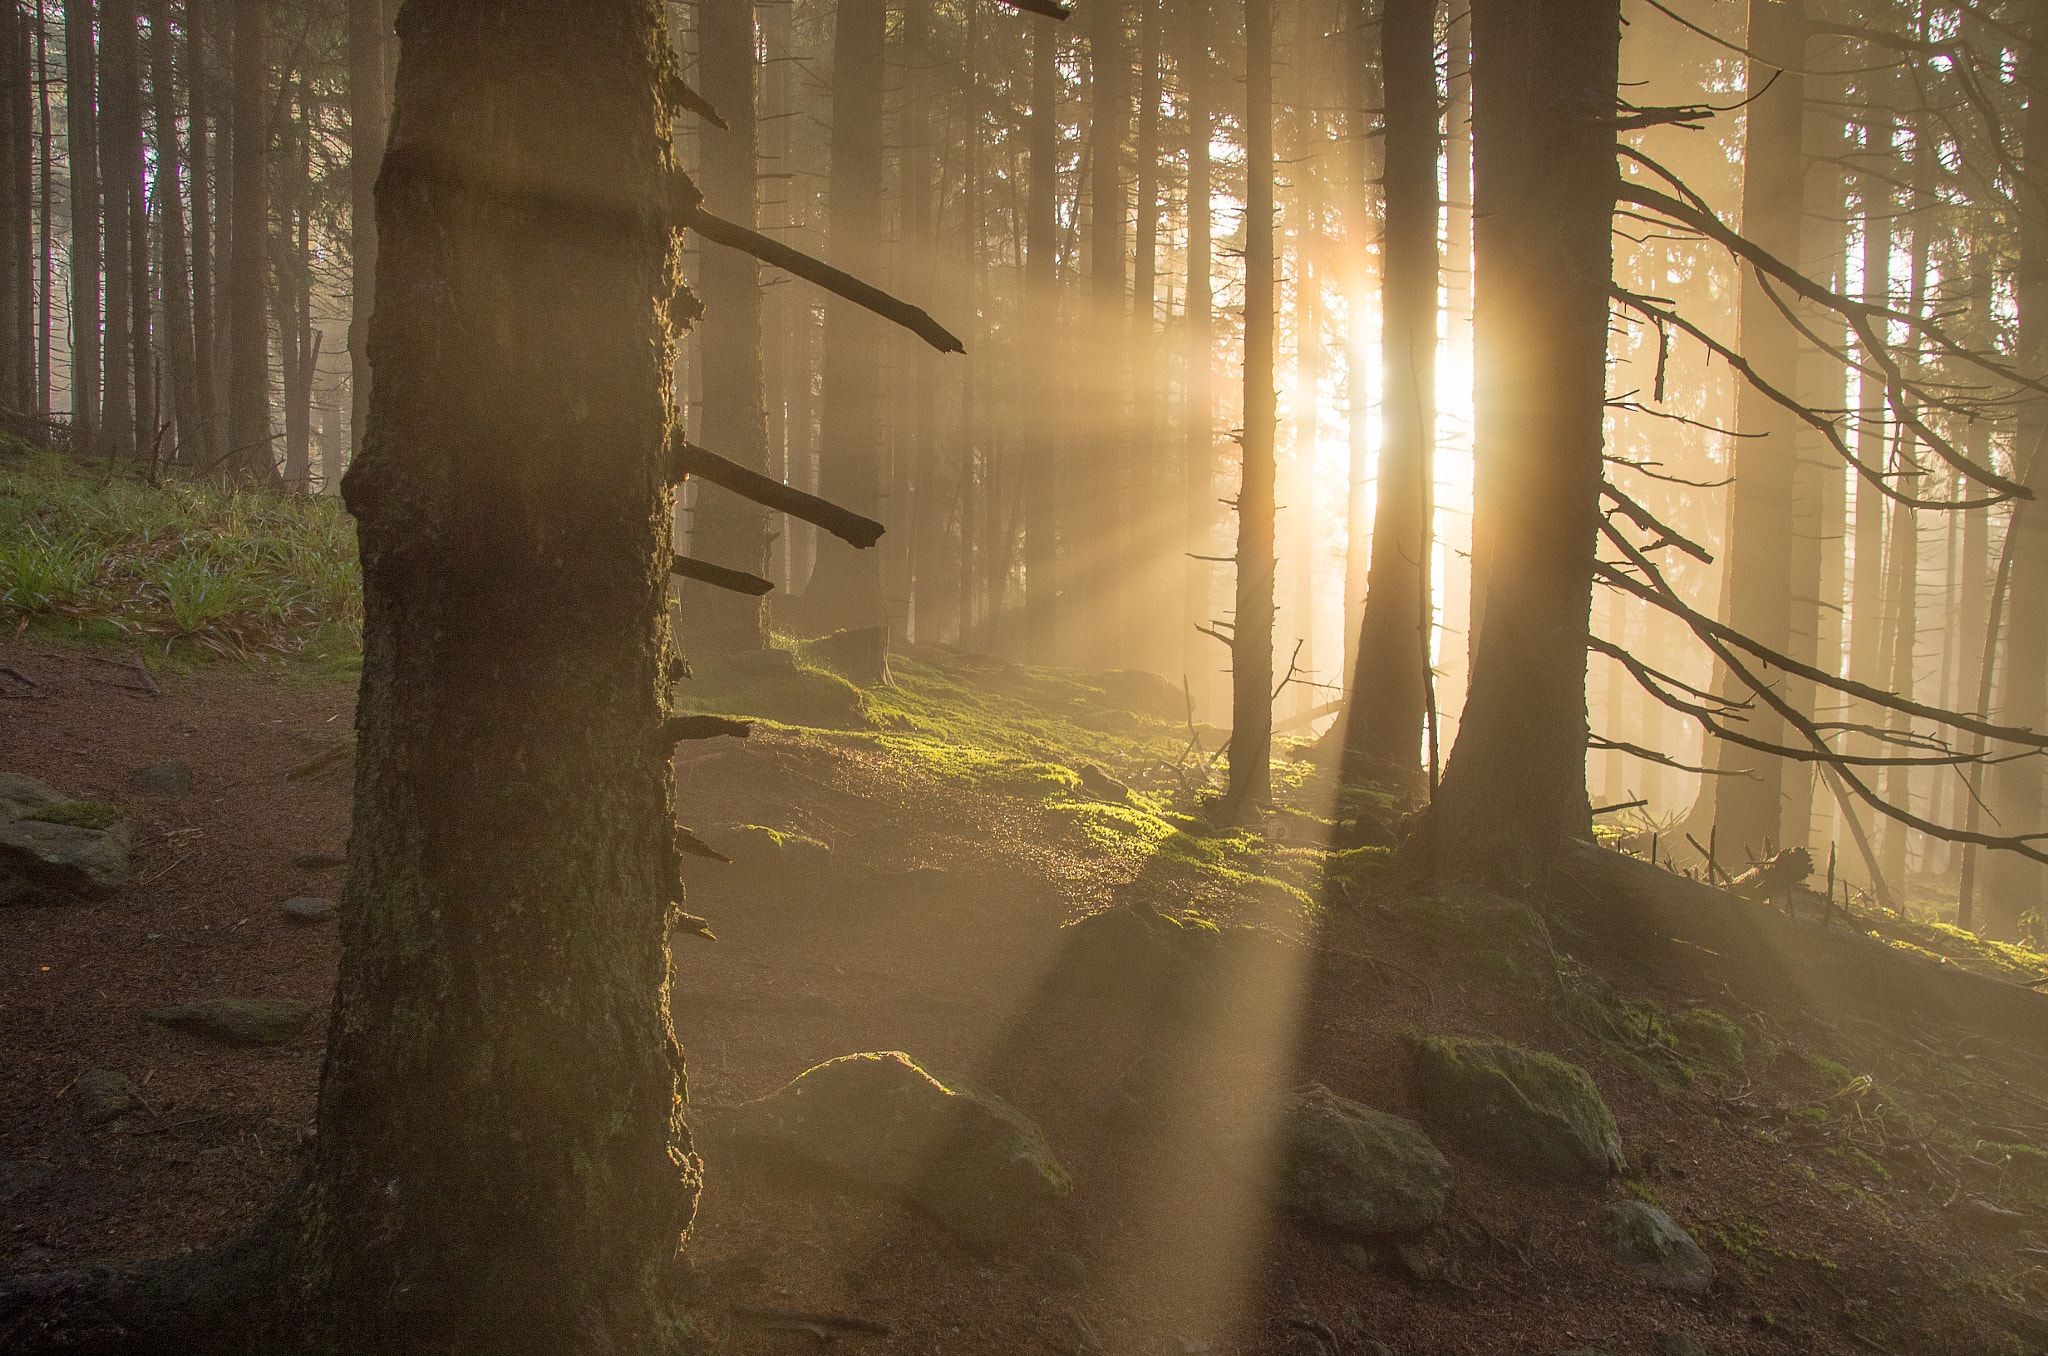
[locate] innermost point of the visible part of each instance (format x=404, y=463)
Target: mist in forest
x=1818, y=383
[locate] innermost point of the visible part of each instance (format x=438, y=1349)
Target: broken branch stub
x=735, y=581
x=686, y=459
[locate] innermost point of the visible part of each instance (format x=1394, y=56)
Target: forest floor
x=1831, y=1164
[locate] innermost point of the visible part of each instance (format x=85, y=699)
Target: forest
x=1129, y=676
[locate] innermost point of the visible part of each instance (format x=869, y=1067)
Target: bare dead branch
x=734, y=581
x=687, y=459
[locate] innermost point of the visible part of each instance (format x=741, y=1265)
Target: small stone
x=103, y=1095
x=1355, y=1255
x=238, y=1021
x=23, y=1174
x=173, y=778
x=308, y=909
x=318, y=860
x=1413, y=1263
x=1646, y=1240
x=1679, y=1344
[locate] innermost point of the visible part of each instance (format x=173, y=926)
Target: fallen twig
x=799, y=1320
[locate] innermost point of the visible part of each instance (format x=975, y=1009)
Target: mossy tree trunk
x=1544, y=75
x=502, y=1163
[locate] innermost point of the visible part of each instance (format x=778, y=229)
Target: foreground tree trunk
x=81, y=81
x=1544, y=75
x=1384, y=724
x=726, y=529
x=501, y=1163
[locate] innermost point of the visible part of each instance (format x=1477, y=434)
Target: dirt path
x=931, y=930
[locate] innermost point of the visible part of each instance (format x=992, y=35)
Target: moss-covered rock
x=1517, y=1106
x=1138, y=957
x=1706, y=1033
x=1344, y=1166
x=962, y=1154
x=52, y=846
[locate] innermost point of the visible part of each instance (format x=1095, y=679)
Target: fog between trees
x=1834, y=198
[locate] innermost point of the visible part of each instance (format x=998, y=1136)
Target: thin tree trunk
x=1385, y=726
x=728, y=530
x=926, y=506
x=1251, y=648
x=199, y=76
x=1141, y=528
x=177, y=286
x=845, y=588
x=120, y=137
x=368, y=107
x=1308, y=351
x=17, y=217
x=1198, y=437
x=1360, y=125
x=1748, y=810
x=1041, y=293
x=248, y=452
x=45, y=246
x=1515, y=787
x=81, y=103
x=1102, y=528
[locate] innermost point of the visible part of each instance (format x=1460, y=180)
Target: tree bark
x=1544, y=75
x=1362, y=63
x=368, y=122
x=1251, y=646
x=502, y=1162
x=120, y=158
x=81, y=105
x=1384, y=731
x=177, y=280
x=845, y=589
x=2015, y=884
x=726, y=529
x=1098, y=608
x=199, y=76
x=1198, y=436
x=1041, y=296
x=1749, y=810
x=248, y=453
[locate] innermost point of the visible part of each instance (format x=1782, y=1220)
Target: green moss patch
x=79, y=814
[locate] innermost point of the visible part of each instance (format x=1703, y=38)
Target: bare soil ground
x=932, y=931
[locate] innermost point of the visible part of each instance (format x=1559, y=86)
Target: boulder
x=173, y=778
x=965, y=1156
x=52, y=846
x=1138, y=1094
x=758, y=845
x=1646, y=1240
x=102, y=1095
x=1138, y=957
x=862, y=655
x=308, y=909
x=1344, y=1166
x=1680, y=1344
x=238, y=1021
x=1518, y=1106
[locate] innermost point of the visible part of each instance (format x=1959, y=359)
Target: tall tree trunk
x=46, y=297
x=1106, y=561
x=2016, y=883
x=368, y=106
x=1041, y=468
x=1251, y=646
x=728, y=530
x=199, y=76
x=1143, y=522
x=1362, y=61
x=248, y=452
x=120, y=134
x=778, y=312
x=1308, y=347
x=1544, y=178
x=845, y=588
x=17, y=216
x=1866, y=586
x=177, y=288
x=81, y=105
x=1384, y=731
x=926, y=507
x=1749, y=810
x=510, y=501
x=1198, y=438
